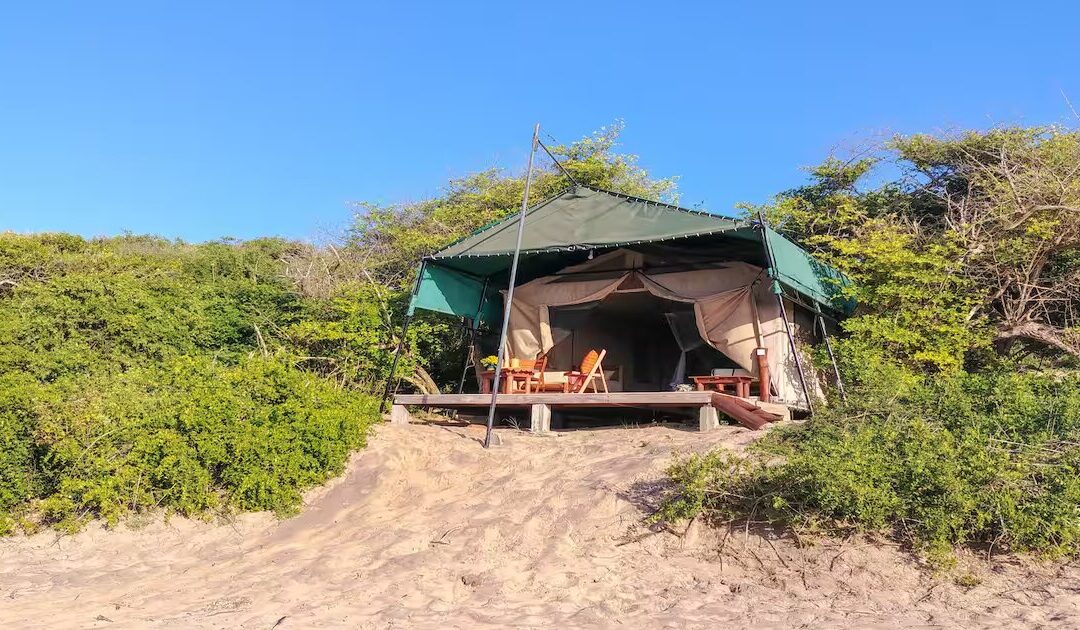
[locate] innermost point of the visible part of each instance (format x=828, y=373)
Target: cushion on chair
x=589, y=362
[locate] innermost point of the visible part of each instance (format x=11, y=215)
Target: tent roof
x=582, y=217
x=464, y=278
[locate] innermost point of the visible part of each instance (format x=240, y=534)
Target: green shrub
x=18, y=481
x=987, y=459
x=138, y=373
x=961, y=420
x=192, y=436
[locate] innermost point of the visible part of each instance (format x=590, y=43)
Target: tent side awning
x=801, y=272
x=453, y=292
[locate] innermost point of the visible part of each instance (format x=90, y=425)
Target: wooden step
x=743, y=411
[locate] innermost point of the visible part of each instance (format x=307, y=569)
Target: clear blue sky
x=199, y=120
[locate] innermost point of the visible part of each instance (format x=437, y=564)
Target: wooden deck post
x=762, y=356
x=540, y=418
x=399, y=414
x=708, y=418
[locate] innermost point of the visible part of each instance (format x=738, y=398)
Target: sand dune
x=427, y=530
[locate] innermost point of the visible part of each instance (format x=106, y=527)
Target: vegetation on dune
x=138, y=373
x=983, y=459
x=962, y=420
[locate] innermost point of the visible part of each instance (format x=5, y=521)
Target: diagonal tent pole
x=832, y=357
x=391, y=381
x=557, y=163
x=783, y=310
x=510, y=291
x=470, y=341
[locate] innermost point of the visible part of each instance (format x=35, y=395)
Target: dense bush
x=990, y=459
x=137, y=373
x=189, y=435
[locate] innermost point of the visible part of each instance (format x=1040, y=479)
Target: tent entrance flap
x=685, y=331
x=452, y=292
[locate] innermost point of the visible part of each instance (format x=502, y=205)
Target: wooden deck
x=752, y=414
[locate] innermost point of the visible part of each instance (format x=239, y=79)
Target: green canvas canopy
x=587, y=218
x=464, y=278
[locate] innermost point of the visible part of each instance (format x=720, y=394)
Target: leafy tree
x=1010, y=199
x=976, y=241
x=916, y=304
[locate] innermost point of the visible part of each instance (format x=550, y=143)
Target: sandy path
x=427, y=530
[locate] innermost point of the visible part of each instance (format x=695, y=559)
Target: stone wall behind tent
x=724, y=297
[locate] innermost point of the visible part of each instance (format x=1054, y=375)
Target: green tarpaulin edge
x=453, y=292
x=801, y=272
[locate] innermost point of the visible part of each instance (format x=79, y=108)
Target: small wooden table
x=740, y=384
x=510, y=377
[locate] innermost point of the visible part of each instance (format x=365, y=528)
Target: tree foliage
x=389, y=241
x=1010, y=199
x=975, y=241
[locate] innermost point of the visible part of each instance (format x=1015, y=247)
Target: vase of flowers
x=489, y=362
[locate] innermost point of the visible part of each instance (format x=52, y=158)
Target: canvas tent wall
x=702, y=257
x=734, y=308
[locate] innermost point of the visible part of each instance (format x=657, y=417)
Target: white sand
x=427, y=530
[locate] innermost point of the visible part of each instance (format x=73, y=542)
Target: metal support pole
x=391, y=381
x=795, y=352
x=510, y=289
x=469, y=340
x=783, y=311
x=470, y=360
x=832, y=357
x=466, y=364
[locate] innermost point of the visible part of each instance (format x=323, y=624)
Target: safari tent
x=667, y=292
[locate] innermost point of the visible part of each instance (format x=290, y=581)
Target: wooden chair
x=538, y=365
x=592, y=368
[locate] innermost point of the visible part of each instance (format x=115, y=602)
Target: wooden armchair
x=537, y=365
x=592, y=368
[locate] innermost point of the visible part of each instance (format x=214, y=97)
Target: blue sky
x=201, y=120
